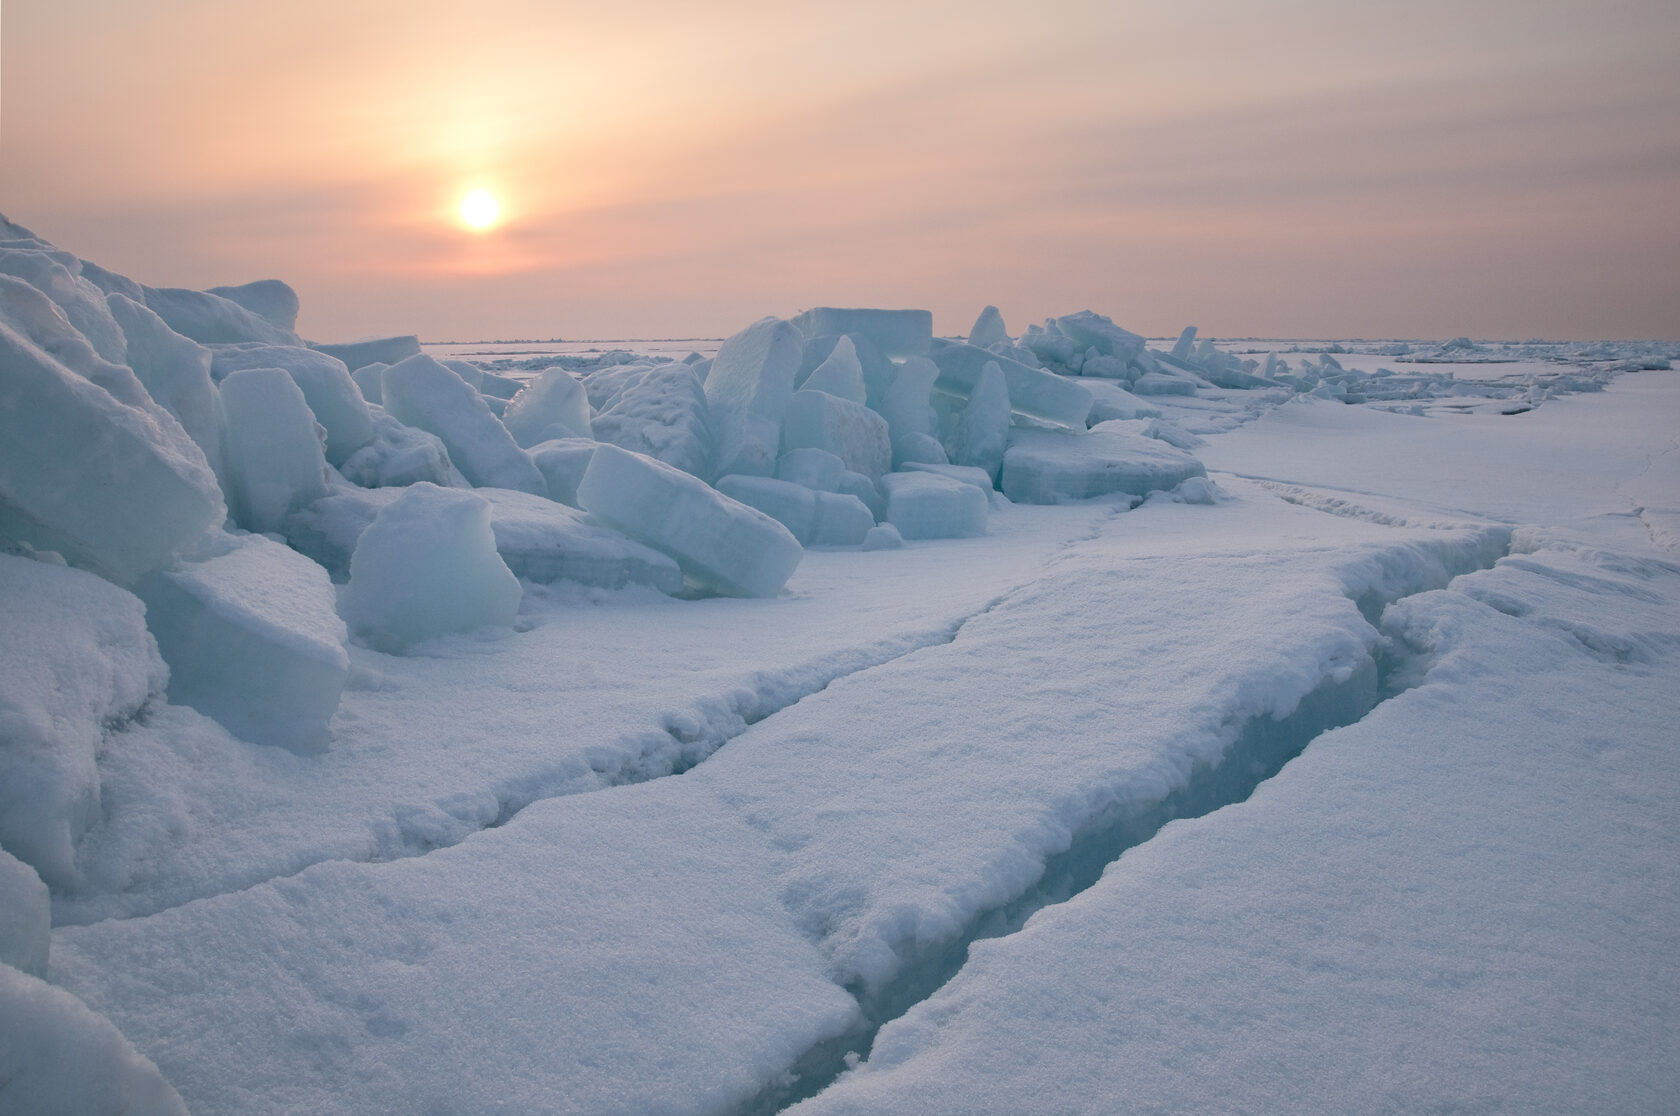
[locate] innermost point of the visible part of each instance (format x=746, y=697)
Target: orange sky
x=1257, y=167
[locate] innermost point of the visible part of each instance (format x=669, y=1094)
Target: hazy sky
x=1506, y=168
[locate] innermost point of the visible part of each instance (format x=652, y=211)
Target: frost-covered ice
x=916, y=858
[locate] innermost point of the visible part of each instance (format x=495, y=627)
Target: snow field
x=438, y=845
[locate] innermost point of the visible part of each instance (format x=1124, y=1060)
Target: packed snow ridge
x=911, y=615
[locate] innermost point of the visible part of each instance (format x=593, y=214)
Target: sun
x=480, y=210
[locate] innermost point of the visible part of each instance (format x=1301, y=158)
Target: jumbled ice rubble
x=190, y=491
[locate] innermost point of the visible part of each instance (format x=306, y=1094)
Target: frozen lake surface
x=1342, y=778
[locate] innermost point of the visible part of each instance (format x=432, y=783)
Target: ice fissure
x=1259, y=749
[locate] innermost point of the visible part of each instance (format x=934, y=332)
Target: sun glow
x=480, y=210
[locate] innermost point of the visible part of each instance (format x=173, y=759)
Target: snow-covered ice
x=850, y=431
x=1326, y=764
x=1044, y=466
x=252, y=639
x=422, y=393
x=425, y=567
x=748, y=389
x=924, y=505
x=720, y=542
x=273, y=455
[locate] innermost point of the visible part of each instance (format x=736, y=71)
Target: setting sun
x=480, y=210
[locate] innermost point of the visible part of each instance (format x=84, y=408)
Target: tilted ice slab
x=272, y=300
x=850, y=431
x=1032, y=391
x=272, y=458
x=332, y=395
x=211, y=319
x=252, y=639
x=118, y=486
x=747, y=390
x=897, y=333
x=659, y=410
x=925, y=505
x=422, y=393
x=554, y=405
x=175, y=371
x=374, y=350
x=720, y=542
x=1501, y=937
x=76, y=660
x=1044, y=466
x=538, y=539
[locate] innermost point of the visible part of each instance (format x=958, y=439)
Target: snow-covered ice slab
x=538, y=539
x=747, y=390
x=76, y=659
x=850, y=431
x=399, y=455
x=658, y=409
x=544, y=541
x=57, y=1056
x=925, y=505
x=273, y=457
x=212, y=320
x=897, y=333
x=562, y=462
x=425, y=567
x=1090, y=330
x=117, y=486
x=252, y=639
x=792, y=505
x=25, y=917
x=272, y=300
x=422, y=393
x=376, y=350
x=719, y=542
x=333, y=397
x=1032, y=391
x=577, y=960
x=1503, y=940
x=175, y=371
x=967, y=767
x=1044, y=466
x=554, y=405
